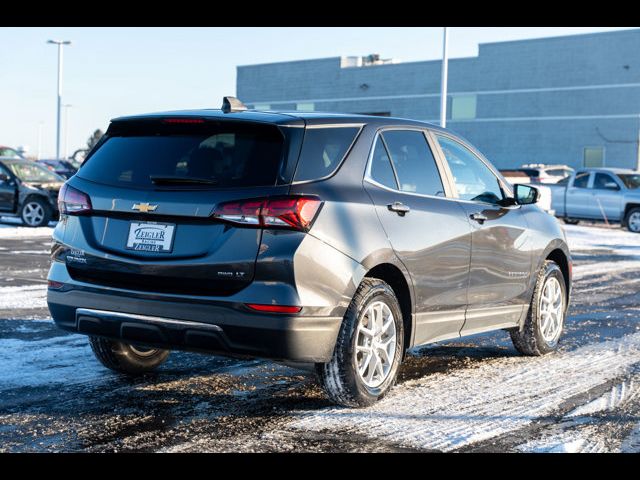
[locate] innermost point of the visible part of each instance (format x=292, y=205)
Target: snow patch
x=617, y=396
x=619, y=241
x=449, y=410
x=23, y=298
x=13, y=231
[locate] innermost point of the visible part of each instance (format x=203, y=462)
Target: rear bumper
x=213, y=328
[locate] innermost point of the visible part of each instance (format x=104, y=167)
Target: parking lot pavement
x=474, y=394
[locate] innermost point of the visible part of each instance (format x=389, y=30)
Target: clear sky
x=110, y=72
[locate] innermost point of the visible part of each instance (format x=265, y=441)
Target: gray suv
x=338, y=241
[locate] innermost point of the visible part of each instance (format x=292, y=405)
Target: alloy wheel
x=375, y=344
x=551, y=310
x=634, y=222
x=33, y=213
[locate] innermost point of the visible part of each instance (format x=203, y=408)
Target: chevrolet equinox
x=338, y=241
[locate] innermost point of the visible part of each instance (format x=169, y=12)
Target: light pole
x=443, y=81
x=39, y=139
x=66, y=129
x=60, y=44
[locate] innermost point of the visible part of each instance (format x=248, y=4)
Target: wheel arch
x=627, y=209
x=395, y=277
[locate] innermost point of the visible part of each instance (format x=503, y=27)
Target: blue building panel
x=536, y=101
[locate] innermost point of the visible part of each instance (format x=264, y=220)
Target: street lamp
x=66, y=129
x=443, y=81
x=60, y=44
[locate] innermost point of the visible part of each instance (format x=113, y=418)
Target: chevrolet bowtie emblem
x=144, y=207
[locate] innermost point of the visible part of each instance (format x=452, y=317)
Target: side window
x=581, y=180
x=413, y=161
x=603, y=181
x=381, y=169
x=5, y=173
x=323, y=150
x=474, y=180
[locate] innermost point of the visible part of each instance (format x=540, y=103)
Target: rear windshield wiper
x=178, y=180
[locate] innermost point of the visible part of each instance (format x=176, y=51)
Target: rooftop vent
x=232, y=104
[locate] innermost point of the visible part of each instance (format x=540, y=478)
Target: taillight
x=295, y=212
x=72, y=201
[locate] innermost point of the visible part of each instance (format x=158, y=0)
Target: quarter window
x=474, y=180
x=413, y=161
x=381, y=169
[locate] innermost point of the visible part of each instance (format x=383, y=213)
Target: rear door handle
x=399, y=208
x=478, y=217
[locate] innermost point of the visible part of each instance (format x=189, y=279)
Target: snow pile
x=12, y=228
x=23, y=298
x=617, y=240
x=446, y=411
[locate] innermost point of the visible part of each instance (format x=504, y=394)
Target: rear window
x=224, y=155
x=631, y=180
x=323, y=150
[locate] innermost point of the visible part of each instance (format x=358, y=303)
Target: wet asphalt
x=54, y=396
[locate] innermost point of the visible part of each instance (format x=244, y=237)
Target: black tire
x=31, y=205
x=633, y=226
x=529, y=340
x=571, y=221
x=339, y=377
x=124, y=358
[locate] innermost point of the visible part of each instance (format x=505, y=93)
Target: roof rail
x=232, y=104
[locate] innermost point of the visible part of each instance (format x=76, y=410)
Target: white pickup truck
x=599, y=194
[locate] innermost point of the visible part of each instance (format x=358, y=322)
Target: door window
x=474, y=180
x=603, y=181
x=582, y=180
x=413, y=161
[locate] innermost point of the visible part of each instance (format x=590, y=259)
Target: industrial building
x=571, y=100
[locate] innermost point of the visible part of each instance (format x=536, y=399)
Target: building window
x=262, y=106
x=463, y=107
x=305, y=107
x=593, y=157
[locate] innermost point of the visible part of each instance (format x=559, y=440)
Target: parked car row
x=29, y=188
x=29, y=191
x=538, y=173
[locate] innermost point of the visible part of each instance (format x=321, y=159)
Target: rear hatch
x=153, y=187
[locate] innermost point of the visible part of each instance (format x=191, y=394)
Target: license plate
x=151, y=237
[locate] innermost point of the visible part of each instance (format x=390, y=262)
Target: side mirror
x=526, y=194
x=4, y=178
x=611, y=186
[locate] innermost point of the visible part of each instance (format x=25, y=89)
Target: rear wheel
x=35, y=212
x=632, y=220
x=545, y=320
x=369, y=348
x=127, y=358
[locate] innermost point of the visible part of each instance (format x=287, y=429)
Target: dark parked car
x=29, y=191
x=338, y=241
x=63, y=168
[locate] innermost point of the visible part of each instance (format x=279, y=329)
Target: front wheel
x=571, y=221
x=545, y=320
x=127, y=358
x=369, y=348
x=632, y=220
